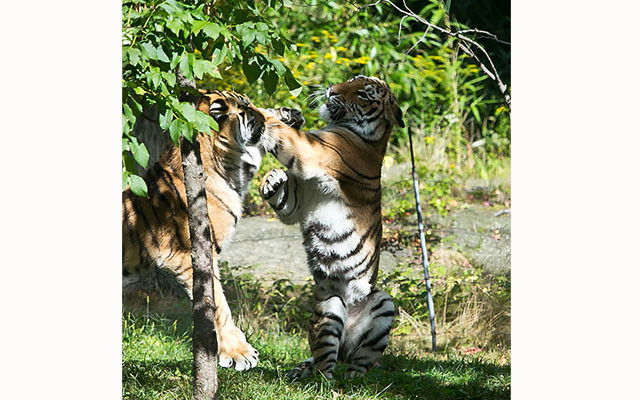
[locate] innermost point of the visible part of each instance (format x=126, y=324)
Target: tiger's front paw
x=271, y=183
x=290, y=116
x=234, y=351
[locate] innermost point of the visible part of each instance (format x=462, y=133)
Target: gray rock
x=388, y=261
x=481, y=236
x=267, y=249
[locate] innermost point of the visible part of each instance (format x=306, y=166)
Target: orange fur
x=155, y=230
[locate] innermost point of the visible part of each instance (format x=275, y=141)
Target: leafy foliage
x=161, y=37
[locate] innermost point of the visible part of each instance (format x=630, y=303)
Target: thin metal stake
x=423, y=245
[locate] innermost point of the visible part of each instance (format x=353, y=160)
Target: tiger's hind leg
x=367, y=332
x=233, y=349
x=325, y=333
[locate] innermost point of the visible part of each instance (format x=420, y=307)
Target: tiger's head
x=240, y=121
x=364, y=105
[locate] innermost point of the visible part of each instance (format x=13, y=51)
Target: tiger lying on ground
x=155, y=231
x=332, y=188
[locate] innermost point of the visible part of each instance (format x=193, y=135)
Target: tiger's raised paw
x=234, y=351
x=271, y=182
x=290, y=116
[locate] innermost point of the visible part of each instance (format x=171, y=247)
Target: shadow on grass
x=406, y=378
x=420, y=378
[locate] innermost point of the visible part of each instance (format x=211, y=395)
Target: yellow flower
x=333, y=38
x=325, y=32
x=362, y=60
x=429, y=139
x=310, y=65
x=315, y=39
x=300, y=45
x=327, y=56
x=344, y=60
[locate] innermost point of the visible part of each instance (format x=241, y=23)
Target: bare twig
x=467, y=44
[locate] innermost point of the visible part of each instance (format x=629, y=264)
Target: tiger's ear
x=397, y=114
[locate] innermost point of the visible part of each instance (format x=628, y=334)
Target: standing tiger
x=332, y=188
x=155, y=230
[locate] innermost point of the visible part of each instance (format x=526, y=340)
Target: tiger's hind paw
x=302, y=370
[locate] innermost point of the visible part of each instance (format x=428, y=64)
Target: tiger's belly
x=338, y=251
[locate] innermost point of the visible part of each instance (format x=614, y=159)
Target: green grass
x=157, y=363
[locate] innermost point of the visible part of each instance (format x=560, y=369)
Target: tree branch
x=467, y=44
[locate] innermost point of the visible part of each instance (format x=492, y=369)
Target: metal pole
x=423, y=245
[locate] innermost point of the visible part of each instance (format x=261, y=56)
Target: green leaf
x=134, y=55
x=215, y=74
x=201, y=123
x=165, y=119
x=175, y=25
x=247, y=33
x=278, y=46
x=175, y=59
x=129, y=163
x=161, y=55
x=198, y=68
x=270, y=79
x=154, y=77
x=140, y=154
x=149, y=51
x=138, y=186
x=219, y=55
x=476, y=113
x=213, y=124
x=170, y=78
x=212, y=30
x=188, y=111
x=187, y=131
x=294, y=86
x=125, y=144
x=186, y=67
x=251, y=70
x=296, y=92
x=197, y=26
x=174, y=130
x=128, y=114
x=280, y=69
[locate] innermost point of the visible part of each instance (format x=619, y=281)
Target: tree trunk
x=205, y=344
